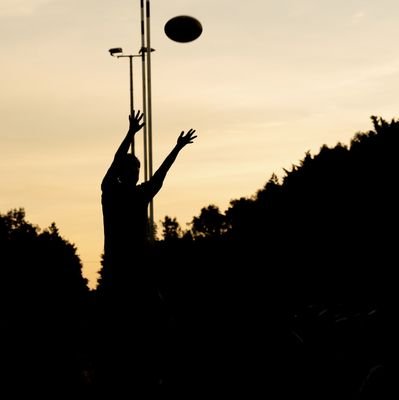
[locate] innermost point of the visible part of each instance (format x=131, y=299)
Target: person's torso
x=125, y=213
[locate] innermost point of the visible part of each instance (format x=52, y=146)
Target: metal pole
x=144, y=84
x=149, y=111
x=131, y=96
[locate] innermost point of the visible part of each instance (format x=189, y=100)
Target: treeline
x=291, y=289
x=331, y=220
x=301, y=275
x=43, y=310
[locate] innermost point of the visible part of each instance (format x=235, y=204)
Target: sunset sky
x=267, y=81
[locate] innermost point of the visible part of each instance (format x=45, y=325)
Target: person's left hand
x=135, y=122
x=187, y=138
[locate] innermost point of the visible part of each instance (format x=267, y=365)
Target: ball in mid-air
x=183, y=29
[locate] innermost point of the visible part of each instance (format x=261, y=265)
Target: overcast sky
x=266, y=82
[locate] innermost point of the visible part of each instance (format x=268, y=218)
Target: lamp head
x=115, y=50
x=145, y=50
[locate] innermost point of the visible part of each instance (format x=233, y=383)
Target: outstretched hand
x=135, y=123
x=187, y=138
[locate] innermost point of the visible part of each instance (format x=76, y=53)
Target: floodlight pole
x=131, y=86
x=131, y=89
x=145, y=54
x=144, y=88
x=149, y=110
x=120, y=54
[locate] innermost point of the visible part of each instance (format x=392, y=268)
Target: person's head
x=129, y=169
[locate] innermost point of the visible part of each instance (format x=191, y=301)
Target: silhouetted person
x=132, y=319
x=125, y=202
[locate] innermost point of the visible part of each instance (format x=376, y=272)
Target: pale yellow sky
x=266, y=82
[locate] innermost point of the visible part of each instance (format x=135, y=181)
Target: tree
x=170, y=229
x=210, y=224
x=43, y=303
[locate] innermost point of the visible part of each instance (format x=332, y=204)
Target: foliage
x=304, y=277
x=210, y=224
x=343, y=188
x=38, y=257
x=43, y=302
x=170, y=229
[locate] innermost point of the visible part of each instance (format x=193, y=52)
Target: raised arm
x=183, y=140
x=135, y=125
